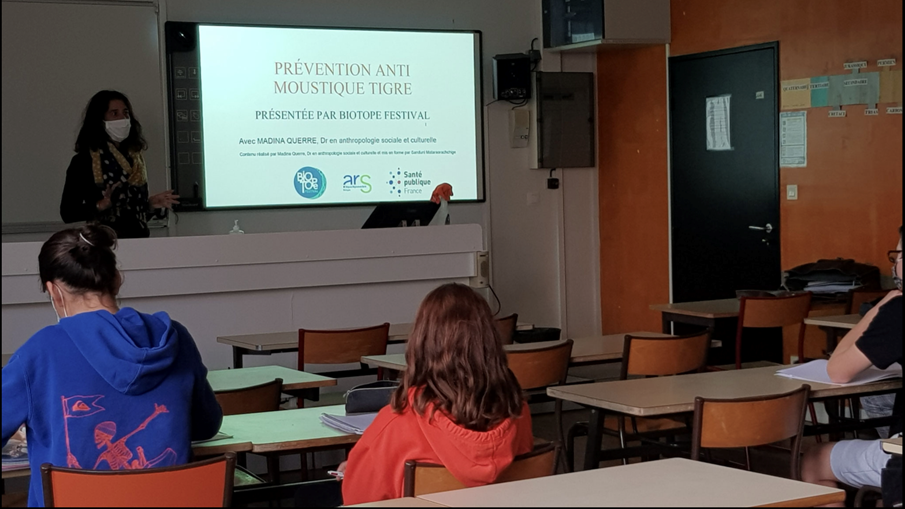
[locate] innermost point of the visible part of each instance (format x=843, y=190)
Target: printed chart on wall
x=793, y=139
x=718, y=123
x=333, y=116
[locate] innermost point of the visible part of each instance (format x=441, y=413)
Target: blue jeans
x=879, y=406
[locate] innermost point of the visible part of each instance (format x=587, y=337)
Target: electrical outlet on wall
x=792, y=192
x=482, y=270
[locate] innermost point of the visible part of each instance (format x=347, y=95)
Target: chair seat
x=645, y=425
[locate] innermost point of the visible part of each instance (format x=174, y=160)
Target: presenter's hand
x=105, y=202
x=164, y=200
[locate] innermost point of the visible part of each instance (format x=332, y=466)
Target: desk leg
x=666, y=322
x=595, y=439
x=238, y=353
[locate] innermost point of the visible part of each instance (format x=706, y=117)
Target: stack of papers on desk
x=15, y=452
x=815, y=371
x=830, y=287
x=352, y=424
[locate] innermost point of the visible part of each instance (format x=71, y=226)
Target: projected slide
x=296, y=116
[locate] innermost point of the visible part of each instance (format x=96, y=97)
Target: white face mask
x=54, y=306
x=118, y=130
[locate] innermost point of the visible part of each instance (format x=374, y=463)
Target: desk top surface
x=293, y=379
x=678, y=482
x=282, y=430
x=399, y=502
x=893, y=445
x=723, y=308
x=268, y=341
x=837, y=322
x=675, y=394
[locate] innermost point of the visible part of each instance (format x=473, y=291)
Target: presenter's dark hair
x=93, y=136
x=81, y=258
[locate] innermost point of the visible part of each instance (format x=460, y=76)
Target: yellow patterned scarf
x=136, y=174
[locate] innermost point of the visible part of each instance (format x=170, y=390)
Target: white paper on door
x=793, y=139
x=718, y=126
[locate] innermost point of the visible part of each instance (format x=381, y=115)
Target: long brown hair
x=455, y=361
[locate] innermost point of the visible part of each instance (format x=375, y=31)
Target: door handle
x=768, y=228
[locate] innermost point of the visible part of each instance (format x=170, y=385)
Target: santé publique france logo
x=310, y=183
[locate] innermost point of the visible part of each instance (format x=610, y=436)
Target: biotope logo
x=310, y=183
x=360, y=183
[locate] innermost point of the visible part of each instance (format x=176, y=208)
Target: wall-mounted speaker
x=512, y=77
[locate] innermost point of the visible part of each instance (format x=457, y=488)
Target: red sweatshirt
x=377, y=462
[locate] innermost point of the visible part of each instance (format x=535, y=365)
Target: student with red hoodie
x=459, y=405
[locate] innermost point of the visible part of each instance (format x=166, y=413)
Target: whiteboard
x=57, y=55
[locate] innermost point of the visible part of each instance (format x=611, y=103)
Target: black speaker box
x=512, y=77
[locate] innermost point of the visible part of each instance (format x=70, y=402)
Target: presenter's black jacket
x=129, y=209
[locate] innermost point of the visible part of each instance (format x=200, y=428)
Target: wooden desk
x=585, y=351
x=18, y=472
x=673, y=482
x=280, y=431
x=282, y=342
x=704, y=313
x=893, y=445
x=833, y=326
x=648, y=397
x=399, y=502
x=295, y=382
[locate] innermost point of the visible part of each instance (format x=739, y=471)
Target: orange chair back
x=858, y=297
x=644, y=356
x=341, y=346
x=425, y=478
x=207, y=483
x=506, y=326
x=750, y=422
x=540, y=367
x=250, y=400
x=769, y=312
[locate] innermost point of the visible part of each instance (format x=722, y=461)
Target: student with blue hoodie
x=105, y=388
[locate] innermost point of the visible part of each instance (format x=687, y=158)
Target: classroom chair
x=859, y=296
x=425, y=478
x=772, y=312
x=248, y=400
x=650, y=357
x=541, y=367
x=346, y=346
x=507, y=326
x=751, y=422
x=207, y=483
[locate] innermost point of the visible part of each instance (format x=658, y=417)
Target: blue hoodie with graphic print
x=108, y=392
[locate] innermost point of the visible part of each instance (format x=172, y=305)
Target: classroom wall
x=527, y=228
x=850, y=194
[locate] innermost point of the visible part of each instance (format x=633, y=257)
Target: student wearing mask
x=105, y=388
x=106, y=181
x=875, y=341
x=459, y=405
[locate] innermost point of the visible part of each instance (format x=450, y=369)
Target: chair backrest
x=769, y=312
x=207, y=483
x=250, y=400
x=766, y=312
x=859, y=296
x=542, y=366
x=646, y=356
x=425, y=478
x=341, y=346
x=507, y=326
x=750, y=422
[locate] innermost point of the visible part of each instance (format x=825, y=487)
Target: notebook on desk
x=815, y=371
